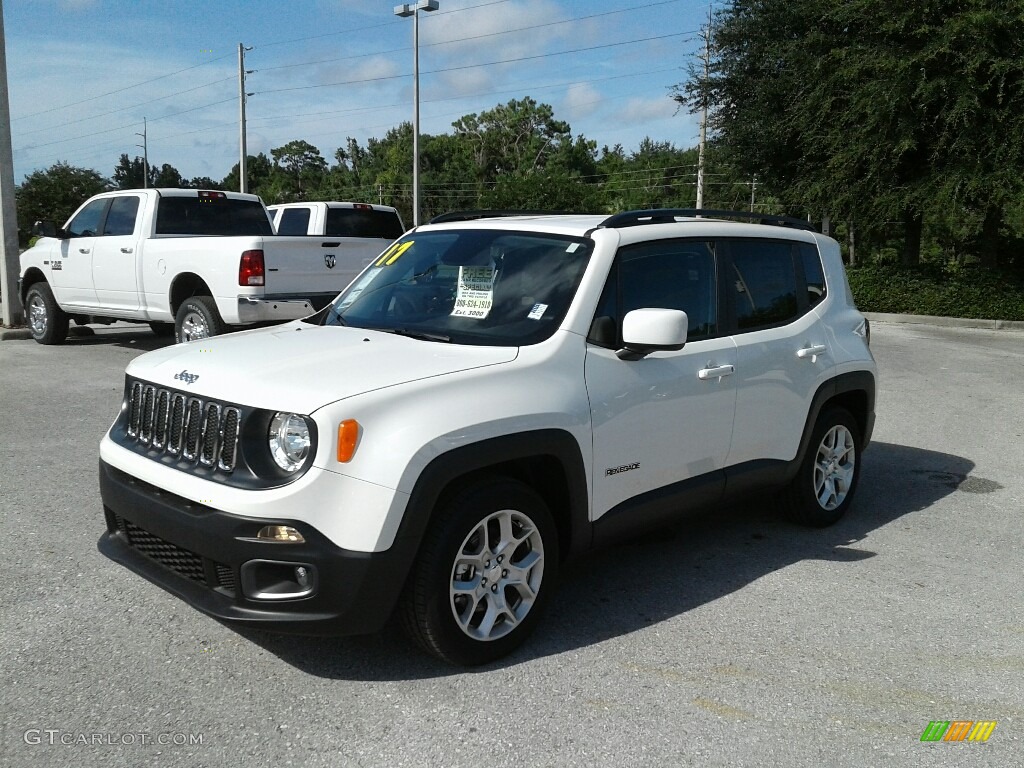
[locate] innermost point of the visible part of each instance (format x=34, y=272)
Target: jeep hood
x=299, y=367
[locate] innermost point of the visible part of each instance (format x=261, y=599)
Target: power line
x=118, y=90
x=483, y=64
x=472, y=37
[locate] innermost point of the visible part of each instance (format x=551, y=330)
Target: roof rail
x=669, y=215
x=488, y=214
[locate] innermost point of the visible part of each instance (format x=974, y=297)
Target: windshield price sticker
x=475, y=294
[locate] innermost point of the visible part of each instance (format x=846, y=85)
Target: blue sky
x=83, y=74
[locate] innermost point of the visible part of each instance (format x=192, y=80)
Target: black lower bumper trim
x=197, y=552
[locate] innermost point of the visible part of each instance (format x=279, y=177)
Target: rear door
x=783, y=350
x=115, y=271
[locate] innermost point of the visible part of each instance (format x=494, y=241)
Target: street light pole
x=405, y=10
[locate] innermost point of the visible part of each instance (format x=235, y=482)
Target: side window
x=294, y=221
x=813, y=274
x=122, y=215
x=87, y=222
x=670, y=274
x=763, y=284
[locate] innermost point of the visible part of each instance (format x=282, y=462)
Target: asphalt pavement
x=736, y=640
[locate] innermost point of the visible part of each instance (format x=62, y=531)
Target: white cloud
x=581, y=100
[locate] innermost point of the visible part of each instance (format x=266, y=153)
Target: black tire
x=197, y=318
x=47, y=322
x=163, y=330
x=464, y=547
x=826, y=482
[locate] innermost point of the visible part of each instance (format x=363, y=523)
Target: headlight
x=289, y=440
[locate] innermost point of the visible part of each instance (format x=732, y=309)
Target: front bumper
x=211, y=560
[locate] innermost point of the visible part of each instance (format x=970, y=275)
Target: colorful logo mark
x=958, y=730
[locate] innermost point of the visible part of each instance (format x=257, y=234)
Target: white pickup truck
x=191, y=262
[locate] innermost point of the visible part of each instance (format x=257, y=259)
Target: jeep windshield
x=474, y=286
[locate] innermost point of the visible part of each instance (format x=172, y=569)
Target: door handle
x=84, y=250
x=716, y=372
x=812, y=352
x=127, y=250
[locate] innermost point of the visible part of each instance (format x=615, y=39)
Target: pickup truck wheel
x=197, y=318
x=485, y=570
x=824, y=487
x=47, y=322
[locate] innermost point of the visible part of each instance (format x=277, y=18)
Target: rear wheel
x=197, y=318
x=823, y=488
x=47, y=322
x=485, y=570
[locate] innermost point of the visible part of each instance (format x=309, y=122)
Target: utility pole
x=706, y=58
x=8, y=210
x=145, y=155
x=753, y=189
x=243, y=180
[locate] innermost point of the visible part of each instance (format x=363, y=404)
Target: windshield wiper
x=424, y=335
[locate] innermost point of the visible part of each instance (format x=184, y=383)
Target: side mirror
x=45, y=228
x=652, y=330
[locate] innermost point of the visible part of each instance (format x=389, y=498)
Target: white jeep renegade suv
x=488, y=398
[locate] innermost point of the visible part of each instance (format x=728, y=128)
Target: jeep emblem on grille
x=188, y=378
x=329, y=260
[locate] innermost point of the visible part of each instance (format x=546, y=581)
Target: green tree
x=54, y=194
x=871, y=110
x=130, y=173
x=168, y=176
x=259, y=170
x=517, y=137
x=301, y=170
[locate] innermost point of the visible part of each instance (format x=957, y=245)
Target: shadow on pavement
x=619, y=590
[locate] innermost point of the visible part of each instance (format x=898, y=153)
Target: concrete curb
x=946, y=322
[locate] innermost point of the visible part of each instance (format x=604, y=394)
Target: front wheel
x=823, y=488
x=197, y=318
x=47, y=322
x=485, y=570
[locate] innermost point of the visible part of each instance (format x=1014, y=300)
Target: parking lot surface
x=734, y=640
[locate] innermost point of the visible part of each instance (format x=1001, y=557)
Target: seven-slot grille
x=198, y=431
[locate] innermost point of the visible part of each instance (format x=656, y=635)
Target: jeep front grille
x=195, y=430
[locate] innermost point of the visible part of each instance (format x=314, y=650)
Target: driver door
x=71, y=264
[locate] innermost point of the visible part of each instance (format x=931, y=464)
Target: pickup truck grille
x=197, y=431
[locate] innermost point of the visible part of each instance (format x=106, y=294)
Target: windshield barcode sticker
x=475, y=294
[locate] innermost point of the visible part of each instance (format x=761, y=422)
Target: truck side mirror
x=44, y=228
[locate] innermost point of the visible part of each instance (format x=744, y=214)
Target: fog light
x=276, y=580
x=282, y=533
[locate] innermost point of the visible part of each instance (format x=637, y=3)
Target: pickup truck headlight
x=289, y=440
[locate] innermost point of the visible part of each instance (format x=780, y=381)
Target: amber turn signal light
x=348, y=436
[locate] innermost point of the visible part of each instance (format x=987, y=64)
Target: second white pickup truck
x=191, y=262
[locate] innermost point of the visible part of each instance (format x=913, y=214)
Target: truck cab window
x=87, y=221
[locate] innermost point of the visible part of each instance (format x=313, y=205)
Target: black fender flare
x=514, y=450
